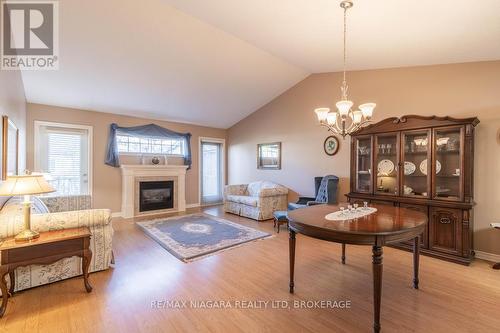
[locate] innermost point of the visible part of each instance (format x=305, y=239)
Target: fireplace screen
x=156, y=195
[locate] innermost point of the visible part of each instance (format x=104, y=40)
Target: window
x=63, y=152
x=141, y=145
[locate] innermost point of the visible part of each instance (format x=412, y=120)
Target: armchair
x=325, y=192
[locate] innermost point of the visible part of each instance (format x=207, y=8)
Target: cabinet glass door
x=363, y=164
x=416, y=147
x=448, y=163
x=386, y=162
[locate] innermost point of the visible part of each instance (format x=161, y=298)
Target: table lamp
x=25, y=185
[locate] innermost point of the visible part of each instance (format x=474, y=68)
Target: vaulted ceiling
x=215, y=62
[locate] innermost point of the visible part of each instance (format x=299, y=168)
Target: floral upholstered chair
x=257, y=200
x=56, y=213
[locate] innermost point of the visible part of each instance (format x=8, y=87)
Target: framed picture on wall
x=269, y=156
x=10, y=148
x=331, y=145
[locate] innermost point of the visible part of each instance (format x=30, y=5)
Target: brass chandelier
x=344, y=121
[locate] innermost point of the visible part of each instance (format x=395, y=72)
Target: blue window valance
x=145, y=131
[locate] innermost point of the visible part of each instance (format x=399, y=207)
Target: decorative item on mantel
x=155, y=160
x=337, y=121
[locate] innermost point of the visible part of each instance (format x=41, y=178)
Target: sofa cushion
x=243, y=199
x=254, y=188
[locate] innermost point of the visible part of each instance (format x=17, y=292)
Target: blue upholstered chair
x=325, y=191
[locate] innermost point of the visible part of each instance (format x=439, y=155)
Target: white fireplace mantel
x=131, y=172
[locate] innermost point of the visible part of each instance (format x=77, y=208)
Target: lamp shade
x=25, y=185
x=344, y=107
x=357, y=117
x=331, y=118
x=322, y=114
x=367, y=109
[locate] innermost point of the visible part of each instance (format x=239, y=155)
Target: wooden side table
x=50, y=247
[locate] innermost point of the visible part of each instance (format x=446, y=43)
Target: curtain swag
x=145, y=131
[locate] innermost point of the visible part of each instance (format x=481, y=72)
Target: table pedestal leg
x=292, y=258
x=343, y=253
x=377, y=286
x=416, y=258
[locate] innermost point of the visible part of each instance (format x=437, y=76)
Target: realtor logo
x=30, y=35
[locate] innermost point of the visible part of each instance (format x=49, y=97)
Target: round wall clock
x=331, y=145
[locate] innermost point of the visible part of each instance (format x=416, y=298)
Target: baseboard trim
x=487, y=256
x=195, y=205
x=117, y=214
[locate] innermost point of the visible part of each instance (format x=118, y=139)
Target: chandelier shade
x=331, y=118
x=344, y=107
x=345, y=121
x=322, y=113
x=357, y=117
x=367, y=109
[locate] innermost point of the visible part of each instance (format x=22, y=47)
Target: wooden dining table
x=387, y=225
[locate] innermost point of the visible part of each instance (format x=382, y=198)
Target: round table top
x=387, y=221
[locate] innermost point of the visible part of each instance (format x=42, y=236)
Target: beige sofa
x=257, y=200
x=65, y=212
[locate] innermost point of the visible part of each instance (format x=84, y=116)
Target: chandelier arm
x=339, y=130
x=351, y=126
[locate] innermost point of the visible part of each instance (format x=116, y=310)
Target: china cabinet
x=424, y=164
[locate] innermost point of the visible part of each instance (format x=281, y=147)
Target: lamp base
x=26, y=235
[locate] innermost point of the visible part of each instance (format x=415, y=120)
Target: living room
x=305, y=166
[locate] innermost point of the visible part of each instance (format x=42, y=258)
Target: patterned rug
x=194, y=236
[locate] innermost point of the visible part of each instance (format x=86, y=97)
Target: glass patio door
x=211, y=172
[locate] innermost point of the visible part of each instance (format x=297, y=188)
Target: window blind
x=63, y=153
x=65, y=162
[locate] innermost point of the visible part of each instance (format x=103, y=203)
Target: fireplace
x=134, y=175
x=156, y=195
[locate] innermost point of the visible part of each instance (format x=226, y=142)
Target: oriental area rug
x=195, y=236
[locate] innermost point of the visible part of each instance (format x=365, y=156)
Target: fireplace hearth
x=156, y=195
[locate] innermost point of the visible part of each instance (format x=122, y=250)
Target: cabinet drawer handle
x=445, y=220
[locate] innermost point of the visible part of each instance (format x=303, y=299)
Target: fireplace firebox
x=156, y=195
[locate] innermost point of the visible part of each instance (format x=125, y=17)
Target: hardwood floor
x=452, y=298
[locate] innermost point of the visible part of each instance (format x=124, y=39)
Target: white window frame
x=126, y=153
x=223, y=164
x=90, y=130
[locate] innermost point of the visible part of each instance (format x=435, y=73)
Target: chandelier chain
x=345, y=38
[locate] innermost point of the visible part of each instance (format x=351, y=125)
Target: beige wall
x=107, y=180
x=460, y=90
x=13, y=105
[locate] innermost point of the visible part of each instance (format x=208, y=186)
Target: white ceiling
x=215, y=62
x=381, y=33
